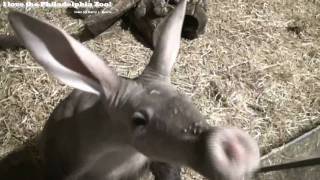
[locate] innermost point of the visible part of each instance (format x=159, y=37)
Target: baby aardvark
x=113, y=127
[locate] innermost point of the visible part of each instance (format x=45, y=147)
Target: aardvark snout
x=231, y=153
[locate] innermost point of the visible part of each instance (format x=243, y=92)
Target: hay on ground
x=256, y=68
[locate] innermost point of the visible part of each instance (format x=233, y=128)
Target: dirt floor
x=257, y=67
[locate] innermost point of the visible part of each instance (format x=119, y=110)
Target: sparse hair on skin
x=242, y=72
x=118, y=125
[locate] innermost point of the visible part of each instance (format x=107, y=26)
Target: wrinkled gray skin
x=113, y=127
x=161, y=7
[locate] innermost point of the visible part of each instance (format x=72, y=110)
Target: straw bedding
x=257, y=67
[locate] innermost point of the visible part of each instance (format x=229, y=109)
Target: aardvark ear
x=63, y=56
x=167, y=42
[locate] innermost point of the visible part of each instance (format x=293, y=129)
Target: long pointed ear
x=167, y=42
x=62, y=56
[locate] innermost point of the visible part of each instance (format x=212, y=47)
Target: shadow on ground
x=22, y=163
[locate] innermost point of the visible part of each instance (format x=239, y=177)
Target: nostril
x=233, y=151
x=229, y=151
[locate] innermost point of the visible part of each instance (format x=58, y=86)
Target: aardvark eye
x=140, y=118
